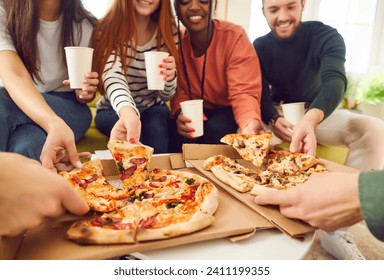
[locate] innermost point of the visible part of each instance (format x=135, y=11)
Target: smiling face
x=194, y=14
x=283, y=16
x=146, y=7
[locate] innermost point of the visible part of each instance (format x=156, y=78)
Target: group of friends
x=242, y=85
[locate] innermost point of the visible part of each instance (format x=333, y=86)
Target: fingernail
x=79, y=164
x=189, y=135
x=132, y=140
x=292, y=149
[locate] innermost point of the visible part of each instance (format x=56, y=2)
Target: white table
x=264, y=245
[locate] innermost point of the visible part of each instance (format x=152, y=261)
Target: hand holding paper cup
x=79, y=63
x=193, y=110
x=293, y=112
x=155, y=80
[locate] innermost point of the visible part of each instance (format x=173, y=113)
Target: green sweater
x=371, y=192
x=307, y=67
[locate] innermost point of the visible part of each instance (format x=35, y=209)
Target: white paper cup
x=79, y=63
x=155, y=80
x=193, y=110
x=293, y=112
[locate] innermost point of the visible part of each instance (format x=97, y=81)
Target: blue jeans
x=154, y=126
x=220, y=123
x=19, y=134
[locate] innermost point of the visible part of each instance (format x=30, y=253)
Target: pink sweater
x=232, y=77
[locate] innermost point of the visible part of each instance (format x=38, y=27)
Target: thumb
x=295, y=144
x=73, y=202
x=73, y=156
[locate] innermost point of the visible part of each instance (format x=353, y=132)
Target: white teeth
x=144, y=2
x=195, y=17
x=283, y=24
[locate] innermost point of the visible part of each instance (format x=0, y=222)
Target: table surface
x=264, y=245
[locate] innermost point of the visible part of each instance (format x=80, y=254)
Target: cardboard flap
x=198, y=151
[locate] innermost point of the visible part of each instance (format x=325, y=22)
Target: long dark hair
x=22, y=25
x=212, y=7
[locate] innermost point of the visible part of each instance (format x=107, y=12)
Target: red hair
x=117, y=32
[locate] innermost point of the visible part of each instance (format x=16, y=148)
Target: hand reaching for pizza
x=128, y=127
x=326, y=201
x=304, y=139
x=30, y=193
x=253, y=127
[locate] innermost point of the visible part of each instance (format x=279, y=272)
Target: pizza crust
x=198, y=221
x=230, y=179
x=83, y=232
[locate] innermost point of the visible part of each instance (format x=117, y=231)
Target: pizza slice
x=132, y=161
x=251, y=147
x=289, y=163
x=109, y=228
x=90, y=182
x=233, y=174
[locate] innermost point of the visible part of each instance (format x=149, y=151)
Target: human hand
x=128, y=127
x=64, y=163
x=283, y=129
x=253, y=127
x=182, y=126
x=303, y=138
x=30, y=193
x=89, y=89
x=168, y=68
x=327, y=201
x=60, y=139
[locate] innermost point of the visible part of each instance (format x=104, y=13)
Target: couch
x=95, y=140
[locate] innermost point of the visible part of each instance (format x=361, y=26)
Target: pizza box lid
x=48, y=241
x=195, y=154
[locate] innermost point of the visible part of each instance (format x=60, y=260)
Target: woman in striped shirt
x=127, y=109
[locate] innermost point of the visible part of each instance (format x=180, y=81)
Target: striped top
x=130, y=89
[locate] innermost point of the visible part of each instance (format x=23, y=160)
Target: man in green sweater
x=304, y=62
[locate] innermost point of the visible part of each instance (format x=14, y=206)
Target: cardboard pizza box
x=195, y=154
x=49, y=241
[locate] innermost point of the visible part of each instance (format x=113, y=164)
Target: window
x=97, y=7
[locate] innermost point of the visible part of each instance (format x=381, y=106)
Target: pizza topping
x=147, y=223
x=173, y=204
x=138, y=161
x=190, y=181
x=128, y=172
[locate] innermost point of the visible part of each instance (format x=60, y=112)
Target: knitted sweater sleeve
x=332, y=71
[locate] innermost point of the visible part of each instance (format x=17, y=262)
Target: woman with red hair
x=127, y=109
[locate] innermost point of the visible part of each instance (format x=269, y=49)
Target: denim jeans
x=19, y=134
x=154, y=126
x=220, y=123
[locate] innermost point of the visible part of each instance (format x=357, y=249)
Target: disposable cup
x=79, y=63
x=293, y=112
x=193, y=110
x=155, y=80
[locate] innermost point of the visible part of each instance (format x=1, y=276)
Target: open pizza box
x=196, y=154
x=232, y=219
